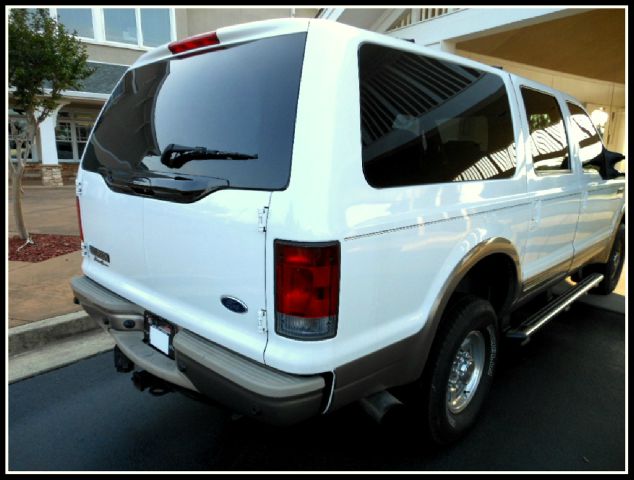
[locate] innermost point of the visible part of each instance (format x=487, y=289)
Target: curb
x=43, y=332
x=59, y=354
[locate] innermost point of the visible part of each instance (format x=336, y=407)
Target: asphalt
x=557, y=404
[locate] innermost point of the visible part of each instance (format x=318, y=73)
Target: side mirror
x=611, y=159
x=605, y=163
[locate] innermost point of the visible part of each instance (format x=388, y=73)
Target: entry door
x=552, y=184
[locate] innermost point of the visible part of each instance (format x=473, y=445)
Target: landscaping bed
x=44, y=247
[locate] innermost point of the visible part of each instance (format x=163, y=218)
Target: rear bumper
x=200, y=365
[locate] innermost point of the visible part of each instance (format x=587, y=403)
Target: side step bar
x=543, y=316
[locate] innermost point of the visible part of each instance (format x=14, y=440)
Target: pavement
x=48, y=210
x=42, y=316
x=46, y=329
x=41, y=290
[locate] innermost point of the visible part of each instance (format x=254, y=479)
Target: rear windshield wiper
x=178, y=188
x=175, y=156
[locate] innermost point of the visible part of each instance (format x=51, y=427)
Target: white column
x=46, y=135
x=416, y=15
x=448, y=46
x=332, y=13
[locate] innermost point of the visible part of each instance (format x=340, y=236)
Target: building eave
x=74, y=95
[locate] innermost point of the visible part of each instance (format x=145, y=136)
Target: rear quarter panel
x=398, y=245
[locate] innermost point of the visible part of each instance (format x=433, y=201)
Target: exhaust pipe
x=121, y=362
x=381, y=406
x=155, y=386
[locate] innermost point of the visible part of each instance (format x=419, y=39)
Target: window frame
x=71, y=140
x=72, y=120
x=34, y=147
x=584, y=171
x=99, y=28
x=54, y=14
x=564, y=122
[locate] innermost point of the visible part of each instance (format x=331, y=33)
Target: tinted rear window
x=425, y=120
x=241, y=99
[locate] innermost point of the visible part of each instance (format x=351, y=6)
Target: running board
x=543, y=316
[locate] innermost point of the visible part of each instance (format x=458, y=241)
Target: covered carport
x=581, y=54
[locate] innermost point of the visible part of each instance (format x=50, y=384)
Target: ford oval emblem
x=233, y=304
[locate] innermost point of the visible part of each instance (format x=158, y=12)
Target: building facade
x=114, y=39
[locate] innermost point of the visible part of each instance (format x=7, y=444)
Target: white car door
x=601, y=198
x=552, y=184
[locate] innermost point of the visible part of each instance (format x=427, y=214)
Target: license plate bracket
x=158, y=333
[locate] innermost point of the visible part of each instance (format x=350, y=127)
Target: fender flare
x=425, y=337
x=476, y=254
x=622, y=216
x=403, y=362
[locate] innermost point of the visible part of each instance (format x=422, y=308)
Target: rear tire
x=460, y=369
x=611, y=270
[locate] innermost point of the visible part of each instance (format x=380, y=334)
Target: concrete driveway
x=47, y=210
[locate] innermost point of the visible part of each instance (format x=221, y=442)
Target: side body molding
x=403, y=362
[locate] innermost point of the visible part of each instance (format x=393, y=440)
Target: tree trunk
x=16, y=187
x=23, y=145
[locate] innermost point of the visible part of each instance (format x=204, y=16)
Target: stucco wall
x=201, y=20
x=192, y=21
x=117, y=55
x=180, y=16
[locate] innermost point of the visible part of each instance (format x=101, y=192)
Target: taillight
x=191, y=43
x=307, y=289
x=81, y=231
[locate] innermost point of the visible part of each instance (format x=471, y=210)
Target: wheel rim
x=616, y=258
x=466, y=372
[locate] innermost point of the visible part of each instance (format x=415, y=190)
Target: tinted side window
x=549, y=145
x=425, y=120
x=582, y=132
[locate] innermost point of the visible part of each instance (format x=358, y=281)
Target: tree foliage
x=44, y=60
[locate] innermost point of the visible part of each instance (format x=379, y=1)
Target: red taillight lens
x=306, y=289
x=203, y=40
x=81, y=231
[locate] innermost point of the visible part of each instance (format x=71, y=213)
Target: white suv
x=288, y=216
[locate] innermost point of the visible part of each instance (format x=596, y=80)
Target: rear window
x=240, y=99
x=425, y=120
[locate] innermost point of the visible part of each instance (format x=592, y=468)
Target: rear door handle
x=620, y=190
x=536, y=215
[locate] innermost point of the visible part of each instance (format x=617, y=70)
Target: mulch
x=44, y=247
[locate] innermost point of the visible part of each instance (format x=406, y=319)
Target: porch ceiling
x=590, y=44
x=361, y=17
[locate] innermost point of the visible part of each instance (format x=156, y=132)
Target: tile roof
x=104, y=78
